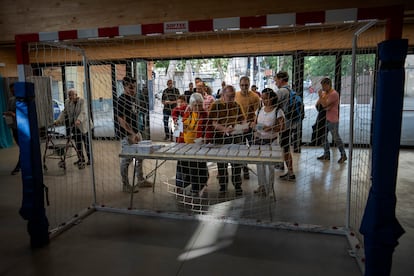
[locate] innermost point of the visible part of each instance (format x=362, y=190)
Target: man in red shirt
x=329, y=99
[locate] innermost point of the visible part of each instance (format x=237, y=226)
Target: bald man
x=75, y=112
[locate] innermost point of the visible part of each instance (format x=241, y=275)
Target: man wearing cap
x=127, y=113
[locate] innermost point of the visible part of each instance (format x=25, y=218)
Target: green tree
x=365, y=63
x=161, y=64
x=277, y=63
x=180, y=66
x=315, y=66
x=220, y=64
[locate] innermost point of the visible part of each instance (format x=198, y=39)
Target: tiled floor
x=119, y=244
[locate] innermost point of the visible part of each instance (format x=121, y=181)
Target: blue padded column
x=32, y=209
x=380, y=226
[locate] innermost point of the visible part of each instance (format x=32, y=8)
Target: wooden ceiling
x=236, y=43
x=28, y=16
x=24, y=16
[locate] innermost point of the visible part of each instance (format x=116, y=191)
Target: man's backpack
x=295, y=109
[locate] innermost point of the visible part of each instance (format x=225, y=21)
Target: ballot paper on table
x=240, y=128
x=178, y=128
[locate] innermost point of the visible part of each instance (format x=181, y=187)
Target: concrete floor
x=119, y=244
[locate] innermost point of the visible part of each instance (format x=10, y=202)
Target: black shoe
x=324, y=157
x=223, y=189
x=342, y=159
x=88, y=163
x=239, y=192
x=166, y=138
x=76, y=163
x=81, y=165
x=280, y=166
x=288, y=177
x=15, y=171
x=246, y=172
x=179, y=190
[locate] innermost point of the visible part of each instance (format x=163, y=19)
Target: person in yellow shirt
x=194, y=124
x=250, y=103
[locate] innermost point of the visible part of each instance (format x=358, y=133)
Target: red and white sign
x=176, y=27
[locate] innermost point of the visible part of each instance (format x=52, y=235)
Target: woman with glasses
x=193, y=172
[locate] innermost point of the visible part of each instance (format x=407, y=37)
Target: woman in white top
x=270, y=120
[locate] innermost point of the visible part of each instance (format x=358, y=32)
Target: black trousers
x=16, y=139
x=223, y=175
x=191, y=172
x=166, y=118
x=222, y=168
x=319, y=129
x=78, y=136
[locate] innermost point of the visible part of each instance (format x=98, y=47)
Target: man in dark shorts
x=283, y=94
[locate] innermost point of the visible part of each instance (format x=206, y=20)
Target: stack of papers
x=240, y=128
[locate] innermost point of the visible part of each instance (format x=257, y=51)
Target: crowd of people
x=199, y=116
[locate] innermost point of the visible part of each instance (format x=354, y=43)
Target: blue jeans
x=333, y=129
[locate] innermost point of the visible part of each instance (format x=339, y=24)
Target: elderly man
x=224, y=114
x=76, y=114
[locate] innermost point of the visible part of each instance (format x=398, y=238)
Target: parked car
x=57, y=108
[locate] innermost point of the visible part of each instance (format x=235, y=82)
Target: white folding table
x=264, y=156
